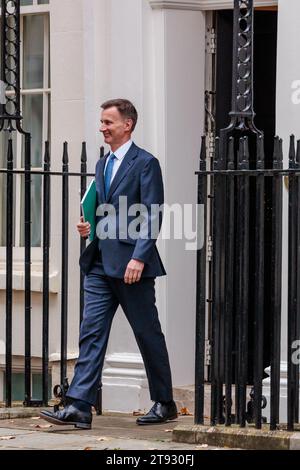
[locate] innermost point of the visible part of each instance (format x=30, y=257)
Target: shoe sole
x=62, y=423
x=159, y=422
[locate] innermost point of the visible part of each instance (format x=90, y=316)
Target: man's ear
x=128, y=124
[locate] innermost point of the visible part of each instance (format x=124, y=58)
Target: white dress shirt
x=119, y=154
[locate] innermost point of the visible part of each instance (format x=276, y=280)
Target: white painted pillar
x=180, y=63
x=287, y=123
x=120, y=46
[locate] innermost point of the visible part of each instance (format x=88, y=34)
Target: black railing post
x=46, y=247
x=27, y=260
x=243, y=281
x=292, y=286
x=276, y=285
x=259, y=284
x=64, y=271
x=297, y=335
x=229, y=279
x=215, y=311
x=98, y=405
x=82, y=240
x=201, y=292
x=9, y=274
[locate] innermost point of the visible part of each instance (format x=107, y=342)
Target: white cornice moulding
x=203, y=4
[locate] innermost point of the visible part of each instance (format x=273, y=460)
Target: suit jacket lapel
x=123, y=170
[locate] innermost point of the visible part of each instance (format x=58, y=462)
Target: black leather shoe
x=159, y=413
x=69, y=415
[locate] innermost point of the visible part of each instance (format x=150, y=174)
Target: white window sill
x=36, y=278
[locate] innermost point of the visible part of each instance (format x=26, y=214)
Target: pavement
x=109, y=432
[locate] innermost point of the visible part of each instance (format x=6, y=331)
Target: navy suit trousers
x=103, y=295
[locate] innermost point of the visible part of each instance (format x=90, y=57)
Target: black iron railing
x=245, y=280
x=239, y=307
x=65, y=175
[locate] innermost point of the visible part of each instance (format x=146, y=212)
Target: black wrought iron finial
x=10, y=110
x=202, y=163
x=292, y=152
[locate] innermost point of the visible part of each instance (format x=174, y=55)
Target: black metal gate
x=238, y=180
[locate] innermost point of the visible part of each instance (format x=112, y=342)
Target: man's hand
x=83, y=228
x=133, y=271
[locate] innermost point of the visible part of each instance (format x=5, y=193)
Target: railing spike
x=292, y=152
x=240, y=152
x=217, y=153
x=231, y=153
x=260, y=152
x=47, y=153
x=65, y=154
x=203, y=154
x=83, y=153
x=298, y=154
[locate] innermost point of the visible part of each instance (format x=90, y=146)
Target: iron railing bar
x=27, y=261
x=201, y=297
x=98, y=405
x=222, y=272
x=41, y=172
x=297, y=310
x=243, y=292
x=46, y=247
x=9, y=276
x=229, y=282
x=83, y=180
x=276, y=294
x=215, y=292
x=64, y=273
x=292, y=295
x=265, y=172
x=259, y=287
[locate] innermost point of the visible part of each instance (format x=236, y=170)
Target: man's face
x=115, y=128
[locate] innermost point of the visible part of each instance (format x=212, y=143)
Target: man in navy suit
x=120, y=267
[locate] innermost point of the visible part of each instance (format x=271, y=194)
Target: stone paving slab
x=108, y=433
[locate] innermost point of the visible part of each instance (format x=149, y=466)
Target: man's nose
x=102, y=127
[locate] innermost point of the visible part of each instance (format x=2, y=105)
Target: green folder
x=88, y=207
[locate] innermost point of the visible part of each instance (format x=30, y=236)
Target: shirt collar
x=121, y=152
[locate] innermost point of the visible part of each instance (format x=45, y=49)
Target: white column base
x=125, y=384
x=283, y=393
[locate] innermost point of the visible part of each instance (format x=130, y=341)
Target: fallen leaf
x=202, y=446
x=138, y=413
x=7, y=438
x=35, y=417
x=43, y=426
x=87, y=448
x=185, y=412
x=103, y=439
x=168, y=430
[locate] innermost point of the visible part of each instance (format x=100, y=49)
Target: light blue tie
x=108, y=173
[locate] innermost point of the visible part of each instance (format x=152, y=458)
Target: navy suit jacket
x=138, y=178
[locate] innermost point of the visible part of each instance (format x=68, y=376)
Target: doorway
x=264, y=62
